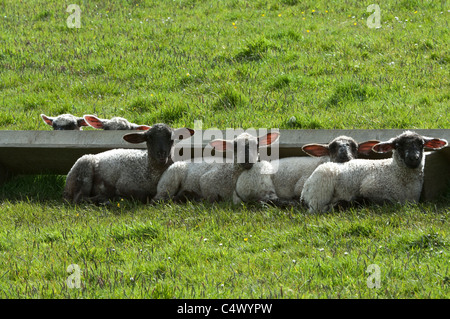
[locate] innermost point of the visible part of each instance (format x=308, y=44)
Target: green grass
x=231, y=64
x=130, y=250
x=145, y=59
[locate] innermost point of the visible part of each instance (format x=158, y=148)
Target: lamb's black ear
x=383, y=147
x=268, y=139
x=434, y=143
x=94, y=121
x=317, y=150
x=182, y=133
x=47, y=119
x=135, y=138
x=141, y=127
x=366, y=147
x=222, y=145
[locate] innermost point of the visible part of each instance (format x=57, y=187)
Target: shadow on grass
x=33, y=188
x=46, y=188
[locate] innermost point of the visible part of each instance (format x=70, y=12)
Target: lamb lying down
x=293, y=172
x=397, y=179
x=124, y=173
x=209, y=179
x=280, y=182
x=64, y=122
x=115, y=123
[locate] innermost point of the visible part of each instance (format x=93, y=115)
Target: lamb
x=209, y=179
x=65, y=122
x=292, y=172
x=124, y=173
x=256, y=184
x=115, y=123
x=396, y=179
x=286, y=177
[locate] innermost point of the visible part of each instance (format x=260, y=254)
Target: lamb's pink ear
x=366, y=147
x=81, y=122
x=268, y=139
x=383, y=147
x=435, y=143
x=48, y=120
x=135, y=138
x=182, y=133
x=317, y=150
x=143, y=127
x=93, y=121
x=222, y=145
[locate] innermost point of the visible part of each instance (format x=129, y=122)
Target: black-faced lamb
x=211, y=179
x=115, y=123
x=64, y=122
x=281, y=181
x=124, y=173
x=396, y=179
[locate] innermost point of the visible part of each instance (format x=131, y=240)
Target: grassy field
x=231, y=64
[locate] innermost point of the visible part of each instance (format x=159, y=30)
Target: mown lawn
x=230, y=64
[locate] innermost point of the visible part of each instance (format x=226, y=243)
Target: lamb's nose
x=413, y=157
x=162, y=154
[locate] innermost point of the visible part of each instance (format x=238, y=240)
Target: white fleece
x=375, y=180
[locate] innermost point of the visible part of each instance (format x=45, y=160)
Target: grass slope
x=228, y=63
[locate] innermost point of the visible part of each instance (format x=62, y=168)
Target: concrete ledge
x=436, y=174
x=55, y=152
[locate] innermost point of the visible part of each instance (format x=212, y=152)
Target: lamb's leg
x=282, y=203
x=236, y=199
x=80, y=179
x=185, y=196
x=169, y=184
x=318, y=191
x=299, y=186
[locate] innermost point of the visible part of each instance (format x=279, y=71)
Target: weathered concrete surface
x=55, y=152
x=437, y=174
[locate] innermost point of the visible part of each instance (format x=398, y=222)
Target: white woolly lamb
x=281, y=181
x=211, y=180
x=397, y=179
x=256, y=184
x=292, y=172
x=129, y=173
x=64, y=122
x=115, y=123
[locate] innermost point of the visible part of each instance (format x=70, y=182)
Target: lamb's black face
x=160, y=143
x=246, y=152
x=410, y=150
x=343, y=150
x=64, y=126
